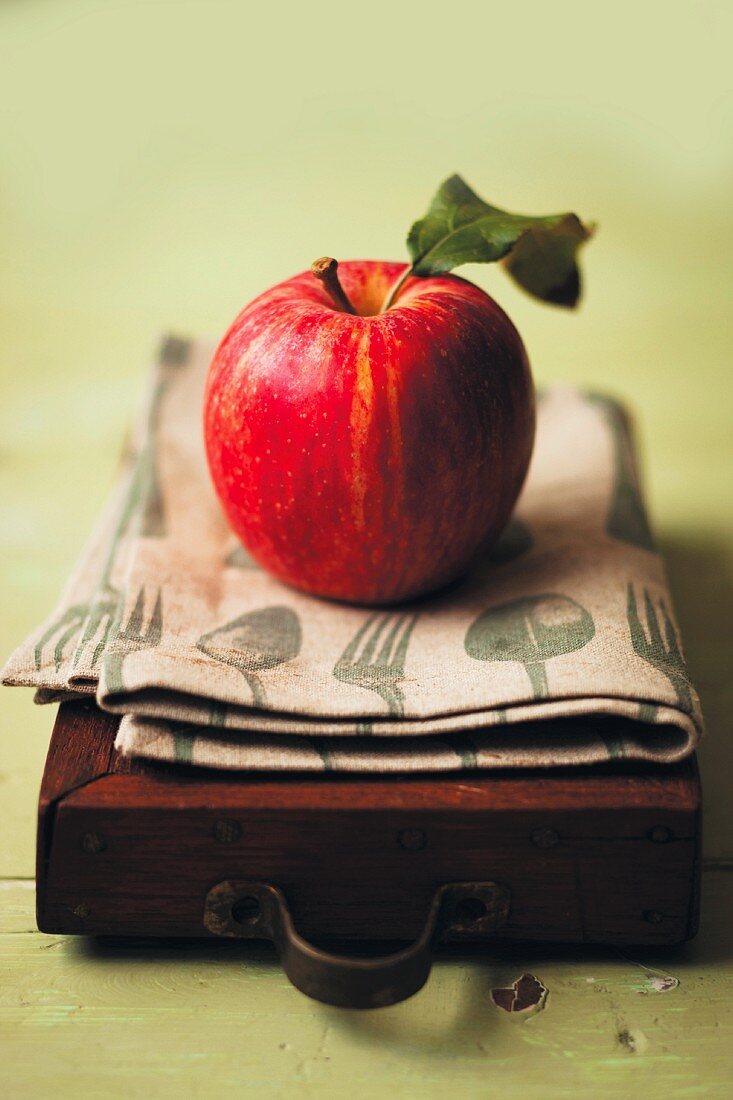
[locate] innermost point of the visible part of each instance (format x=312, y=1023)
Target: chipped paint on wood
x=201, y=1018
x=635, y=1042
x=524, y=997
x=663, y=985
x=655, y=981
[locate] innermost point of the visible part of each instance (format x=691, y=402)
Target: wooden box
x=606, y=855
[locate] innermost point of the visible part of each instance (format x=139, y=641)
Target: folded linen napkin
x=559, y=647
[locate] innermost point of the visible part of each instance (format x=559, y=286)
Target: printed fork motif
x=132, y=637
x=102, y=614
x=374, y=659
x=659, y=648
x=65, y=631
x=143, y=496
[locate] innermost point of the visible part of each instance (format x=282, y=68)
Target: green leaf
x=539, y=252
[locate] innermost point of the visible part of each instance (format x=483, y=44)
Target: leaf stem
x=389, y=300
x=325, y=270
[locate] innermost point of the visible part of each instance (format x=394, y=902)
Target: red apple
x=367, y=456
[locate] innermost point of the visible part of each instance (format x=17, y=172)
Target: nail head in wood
x=545, y=838
x=93, y=843
x=413, y=840
x=227, y=831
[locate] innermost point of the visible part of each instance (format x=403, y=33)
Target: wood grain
x=182, y=1018
x=599, y=855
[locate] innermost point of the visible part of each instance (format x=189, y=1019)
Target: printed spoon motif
x=530, y=631
x=255, y=643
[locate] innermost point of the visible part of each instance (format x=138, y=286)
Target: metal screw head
x=653, y=916
x=246, y=910
x=545, y=838
x=93, y=843
x=471, y=910
x=660, y=834
x=227, y=831
x=412, y=839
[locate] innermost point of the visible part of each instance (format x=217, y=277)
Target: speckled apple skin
x=368, y=458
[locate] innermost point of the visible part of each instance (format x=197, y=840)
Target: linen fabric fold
x=559, y=647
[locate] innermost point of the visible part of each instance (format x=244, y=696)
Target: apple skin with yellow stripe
x=370, y=457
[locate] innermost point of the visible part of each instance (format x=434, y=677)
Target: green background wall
x=163, y=162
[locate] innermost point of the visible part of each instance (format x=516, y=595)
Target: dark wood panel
x=604, y=854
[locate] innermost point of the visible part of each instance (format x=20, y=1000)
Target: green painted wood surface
x=168, y=200
x=191, y=1019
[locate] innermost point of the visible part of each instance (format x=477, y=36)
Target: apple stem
x=389, y=300
x=325, y=270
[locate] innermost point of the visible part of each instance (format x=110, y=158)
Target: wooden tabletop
x=159, y=170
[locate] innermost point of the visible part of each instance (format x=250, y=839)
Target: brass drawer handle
x=258, y=910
